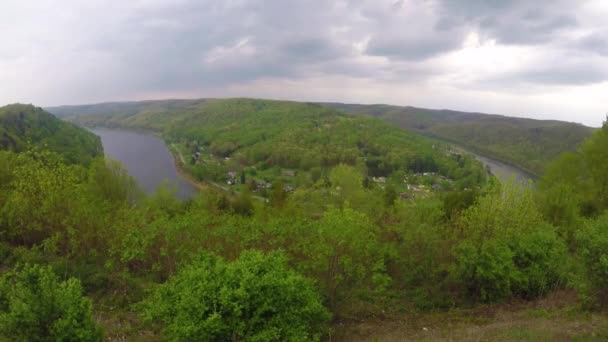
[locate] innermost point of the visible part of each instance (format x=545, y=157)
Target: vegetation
x=255, y=298
x=36, y=306
x=528, y=144
x=256, y=143
x=25, y=126
x=344, y=248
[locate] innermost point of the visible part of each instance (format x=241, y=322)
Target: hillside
x=526, y=143
x=24, y=126
x=296, y=143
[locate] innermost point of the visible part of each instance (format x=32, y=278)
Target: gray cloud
x=77, y=51
x=511, y=21
x=576, y=74
x=596, y=42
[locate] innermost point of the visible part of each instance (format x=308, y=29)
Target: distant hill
x=525, y=143
x=268, y=135
x=24, y=126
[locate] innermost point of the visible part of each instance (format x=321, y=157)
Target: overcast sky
x=539, y=59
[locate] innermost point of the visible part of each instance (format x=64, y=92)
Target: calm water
x=504, y=171
x=150, y=162
x=146, y=157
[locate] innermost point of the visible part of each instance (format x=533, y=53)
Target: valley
x=371, y=230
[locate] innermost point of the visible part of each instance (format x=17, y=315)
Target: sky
x=537, y=59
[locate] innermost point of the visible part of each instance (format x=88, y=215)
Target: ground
x=555, y=318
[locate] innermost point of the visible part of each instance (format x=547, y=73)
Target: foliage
x=36, y=306
x=529, y=144
x=255, y=298
x=24, y=126
x=592, y=241
x=508, y=249
x=583, y=176
x=275, y=135
x=367, y=244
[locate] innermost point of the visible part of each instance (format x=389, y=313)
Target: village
x=232, y=171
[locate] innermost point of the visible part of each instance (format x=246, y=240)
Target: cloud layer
x=517, y=57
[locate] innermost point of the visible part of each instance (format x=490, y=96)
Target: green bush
x=592, y=242
x=36, y=306
x=542, y=259
x=487, y=271
x=255, y=298
x=527, y=265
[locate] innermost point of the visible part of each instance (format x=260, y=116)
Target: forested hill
x=525, y=143
x=25, y=126
x=223, y=135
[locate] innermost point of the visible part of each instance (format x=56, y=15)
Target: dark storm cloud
x=202, y=43
x=510, y=21
x=413, y=48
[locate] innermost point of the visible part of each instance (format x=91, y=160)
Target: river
x=504, y=171
x=148, y=160
x=146, y=157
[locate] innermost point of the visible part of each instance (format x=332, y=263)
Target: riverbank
x=147, y=159
x=179, y=162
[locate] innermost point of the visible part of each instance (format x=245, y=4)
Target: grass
x=554, y=318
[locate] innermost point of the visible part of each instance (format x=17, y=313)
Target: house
x=262, y=184
x=413, y=187
x=379, y=179
x=288, y=173
x=231, y=175
x=405, y=196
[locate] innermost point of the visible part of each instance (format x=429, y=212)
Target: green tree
x=592, y=241
x=36, y=306
x=255, y=298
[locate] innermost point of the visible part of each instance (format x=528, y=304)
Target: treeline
x=281, y=270
x=526, y=143
x=23, y=127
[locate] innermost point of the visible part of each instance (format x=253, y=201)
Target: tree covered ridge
x=526, y=143
x=258, y=138
x=25, y=126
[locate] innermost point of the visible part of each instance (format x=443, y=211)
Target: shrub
x=256, y=298
x=542, y=258
x=526, y=265
x=592, y=242
x=487, y=271
x=36, y=306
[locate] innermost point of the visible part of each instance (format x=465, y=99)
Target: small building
x=405, y=196
x=288, y=173
x=381, y=180
x=262, y=184
x=413, y=187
